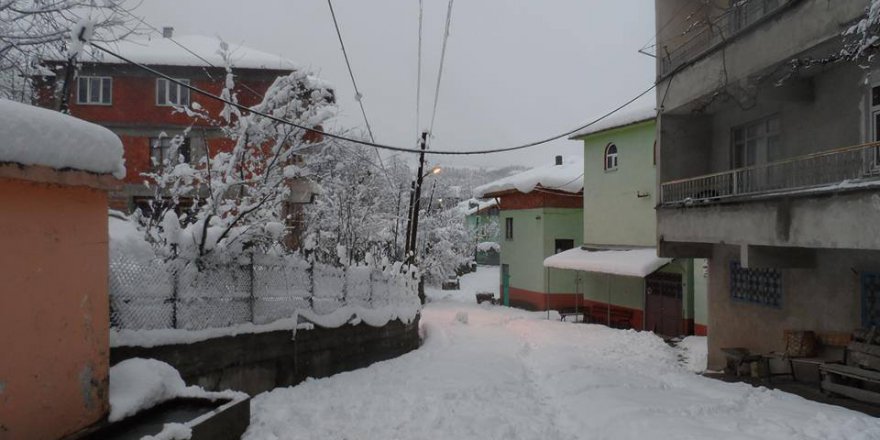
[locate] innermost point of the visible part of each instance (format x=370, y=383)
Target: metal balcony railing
x=800, y=173
x=707, y=35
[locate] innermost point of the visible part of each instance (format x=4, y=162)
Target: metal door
x=505, y=284
x=663, y=304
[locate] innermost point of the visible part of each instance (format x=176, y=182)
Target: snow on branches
x=863, y=36
x=239, y=194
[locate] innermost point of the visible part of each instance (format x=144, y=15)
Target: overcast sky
x=516, y=70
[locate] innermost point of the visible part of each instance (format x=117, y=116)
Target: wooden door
x=663, y=304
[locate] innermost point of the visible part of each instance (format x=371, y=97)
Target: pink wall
x=54, y=315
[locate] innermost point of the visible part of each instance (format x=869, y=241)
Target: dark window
x=756, y=286
x=756, y=142
x=94, y=90
x=508, y=228
x=563, y=245
x=870, y=300
x=169, y=93
x=610, y=157
x=161, y=150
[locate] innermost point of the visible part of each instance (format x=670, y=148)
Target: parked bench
x=620, y=318
x=858, y=377
x=577, y=312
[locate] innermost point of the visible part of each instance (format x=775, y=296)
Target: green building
x=482, y=222
x=618, y=263
x=540, y=213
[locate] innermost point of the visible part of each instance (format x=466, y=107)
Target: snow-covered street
x=490, y=372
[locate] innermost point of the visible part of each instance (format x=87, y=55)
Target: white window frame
x=168, y=85
x=613, y=156
x=88, y=81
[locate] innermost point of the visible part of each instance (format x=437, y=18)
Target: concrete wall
x=822, y=299
x=805, y=25
x=255, y=363
x=701, y=296
x=829, y=220
x=618, y=204
x=54, y=315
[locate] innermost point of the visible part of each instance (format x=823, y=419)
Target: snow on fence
x=147, y=295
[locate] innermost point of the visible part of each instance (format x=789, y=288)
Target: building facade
x=623, y=282
x=767, y=166
x=145, y=111
x=540, y=215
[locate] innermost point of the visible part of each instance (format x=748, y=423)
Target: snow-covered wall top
x=165, y=52
x=36, y=136
x=617, y=120
x=567, y=177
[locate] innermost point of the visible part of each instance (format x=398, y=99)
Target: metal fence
x=155, y=294
x=706, y=35
x=800, y=173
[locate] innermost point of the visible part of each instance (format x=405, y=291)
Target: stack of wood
x=858, y=377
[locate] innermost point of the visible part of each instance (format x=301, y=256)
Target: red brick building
x=140, y=108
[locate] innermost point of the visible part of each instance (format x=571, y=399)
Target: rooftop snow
x=631, y=263
x=466, y=209
x=617, y=120
x=36, y=136
x=165, y=52
x=567, y=177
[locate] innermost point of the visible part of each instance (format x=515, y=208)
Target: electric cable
x=452, y=152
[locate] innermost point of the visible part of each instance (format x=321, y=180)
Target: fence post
x=252, y=297
x=175, y=295
x=735, y=183
x=370, y=293
x=311, y=271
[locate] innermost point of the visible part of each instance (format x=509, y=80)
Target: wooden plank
x=869, y=349
x=848, y=371
x=851, y=392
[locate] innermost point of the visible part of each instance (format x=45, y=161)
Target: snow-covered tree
x=241, y=195
x=31, y=29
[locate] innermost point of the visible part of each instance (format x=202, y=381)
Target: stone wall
x=259, y=362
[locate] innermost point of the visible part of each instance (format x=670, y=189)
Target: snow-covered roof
x=165, y=52
x=629, y=262
x=617, y=120
x=567, y=177
x=36, y=136
x=467, y=209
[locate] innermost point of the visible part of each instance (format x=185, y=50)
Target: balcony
x=703, y=36
x=843, y=168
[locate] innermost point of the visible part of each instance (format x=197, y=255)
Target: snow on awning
x=630, y=262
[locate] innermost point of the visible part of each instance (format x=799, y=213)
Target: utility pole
x=412, y=233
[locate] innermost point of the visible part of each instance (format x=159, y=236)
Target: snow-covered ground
x=491, y=372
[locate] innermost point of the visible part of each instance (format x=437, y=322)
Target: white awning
x=629, y=262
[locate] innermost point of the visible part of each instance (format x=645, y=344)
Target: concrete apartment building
x=766, y=166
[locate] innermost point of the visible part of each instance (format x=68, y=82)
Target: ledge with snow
x=54, y=172
x=625, y=262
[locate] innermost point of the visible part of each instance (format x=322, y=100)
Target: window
x=755, y=143
x=610, y=157
x=756, y=286
x=161, y=150
x=563, y=245
x=870, y=300
x=94, y=90
x=169, y=93
x=508, y=228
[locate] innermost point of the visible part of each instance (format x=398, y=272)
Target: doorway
x=505, y=284
x=663, y=304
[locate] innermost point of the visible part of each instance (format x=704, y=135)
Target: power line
x=419, y=70
x=440, y=69
x=193, y=53
x=357, y=94
x=362, y=142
